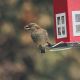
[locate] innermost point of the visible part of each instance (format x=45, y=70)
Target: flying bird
x=39, y=36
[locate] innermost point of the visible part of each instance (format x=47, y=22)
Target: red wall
x=73, y=5
x=60, y=6
x=67, y=6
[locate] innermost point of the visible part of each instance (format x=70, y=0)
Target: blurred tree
x=19, y=59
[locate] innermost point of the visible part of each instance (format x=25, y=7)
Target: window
x=76, y=23
x=61, y=25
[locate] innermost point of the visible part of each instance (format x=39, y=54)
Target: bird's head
x=32, y=26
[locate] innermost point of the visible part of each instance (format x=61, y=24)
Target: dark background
x=19, y=58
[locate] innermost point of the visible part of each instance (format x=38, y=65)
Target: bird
x=39, y=36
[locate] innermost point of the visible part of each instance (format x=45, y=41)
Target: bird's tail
x=49, y=44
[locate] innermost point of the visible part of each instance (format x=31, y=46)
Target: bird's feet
x=42, y=49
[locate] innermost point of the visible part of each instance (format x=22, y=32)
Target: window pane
x=58, y=20
x=77, y=17
x=62, y=19
x=59, y=30
x=63, y=30
x=77, y=28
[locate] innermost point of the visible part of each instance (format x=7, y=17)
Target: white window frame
x=75, y=23
x=61, y=25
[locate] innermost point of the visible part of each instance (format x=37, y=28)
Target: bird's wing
x=40, y=37
x=46, y=36
x=34, y=37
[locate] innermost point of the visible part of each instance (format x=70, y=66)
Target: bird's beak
x=26, y=27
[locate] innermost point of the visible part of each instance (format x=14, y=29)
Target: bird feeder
x=67, y=20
